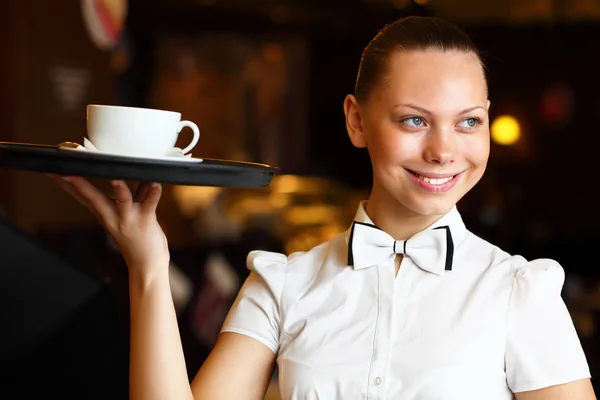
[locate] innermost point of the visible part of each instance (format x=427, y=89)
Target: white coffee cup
x=131, y=131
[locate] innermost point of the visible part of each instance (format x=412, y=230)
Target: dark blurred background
x=265, y=81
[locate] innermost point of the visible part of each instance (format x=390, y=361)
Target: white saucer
x=178, y=158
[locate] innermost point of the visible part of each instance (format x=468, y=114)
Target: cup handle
x=196, y=137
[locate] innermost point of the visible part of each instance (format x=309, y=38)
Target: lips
x=435, y=183
x=434, y=179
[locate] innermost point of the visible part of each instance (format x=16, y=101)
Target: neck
x=394, y=218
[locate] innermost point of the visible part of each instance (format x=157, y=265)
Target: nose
x=439, y=147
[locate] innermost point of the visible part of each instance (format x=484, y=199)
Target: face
x=426, y=129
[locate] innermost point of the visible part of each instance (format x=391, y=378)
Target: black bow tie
x=431, y=250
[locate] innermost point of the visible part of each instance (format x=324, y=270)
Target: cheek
x=392, y=148
x=477, y=151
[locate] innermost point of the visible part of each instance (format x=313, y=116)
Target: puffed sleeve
x=255, y=311
x=542, y=347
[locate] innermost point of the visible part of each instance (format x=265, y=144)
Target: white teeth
x=432, y=181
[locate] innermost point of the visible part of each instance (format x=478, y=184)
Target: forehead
x=435, y=79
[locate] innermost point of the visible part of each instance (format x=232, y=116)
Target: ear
x=488, y=105
x=354, y=123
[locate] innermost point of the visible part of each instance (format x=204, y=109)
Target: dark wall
x=40, y=37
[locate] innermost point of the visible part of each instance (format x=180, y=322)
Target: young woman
x=407, y=304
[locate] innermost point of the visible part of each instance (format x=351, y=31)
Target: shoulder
x=538, y=278
x=542, y=272
x=334, y=250
x=540, y=275
x=261, y=260
x=477, y=249
x=302, y=262
x=537, y=319
x=480, y=256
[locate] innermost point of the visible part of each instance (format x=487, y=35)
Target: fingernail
x=66, y=178
x=154, y=185
x=114, y=183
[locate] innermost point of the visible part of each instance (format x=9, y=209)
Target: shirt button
x=377, y=381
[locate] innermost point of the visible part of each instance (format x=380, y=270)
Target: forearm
x=157, y=364
x=576, y=390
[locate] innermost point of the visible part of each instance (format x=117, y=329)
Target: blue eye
x=414, y=121
x=470, y=122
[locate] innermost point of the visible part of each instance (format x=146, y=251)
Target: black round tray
x=209, y=172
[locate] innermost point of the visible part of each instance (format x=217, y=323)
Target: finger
x=152, y=198
x=123, y=197
x=142, y=191
x=97, y=200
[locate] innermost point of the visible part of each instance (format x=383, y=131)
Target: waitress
x=408, y=303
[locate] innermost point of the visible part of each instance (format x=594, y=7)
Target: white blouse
x=490, y=325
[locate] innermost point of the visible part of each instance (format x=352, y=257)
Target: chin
x=429, y=207
x=417, y=202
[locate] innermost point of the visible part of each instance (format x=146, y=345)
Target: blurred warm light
x=192, y=199
x=273, y=52
x=280, y=200
x=307, y=238
x=298, y=184
x=505, y=130
x=422, y=2
x=249, y=207
x=317, y=214
x=302, y=210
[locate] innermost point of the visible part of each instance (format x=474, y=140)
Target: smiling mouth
x=434, y=181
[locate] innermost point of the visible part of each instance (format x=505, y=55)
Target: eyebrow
x=425, y=111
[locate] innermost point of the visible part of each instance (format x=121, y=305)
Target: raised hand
x=129, y=219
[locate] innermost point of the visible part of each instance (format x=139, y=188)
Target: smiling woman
x=426, y=129
x=407, y=303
